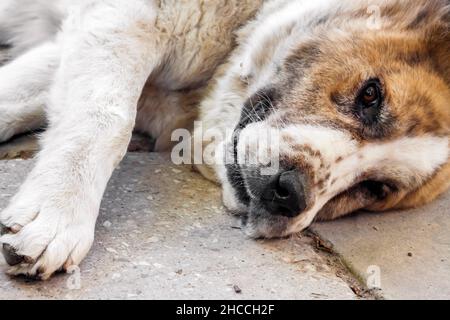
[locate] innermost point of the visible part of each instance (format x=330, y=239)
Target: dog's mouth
x=378, y=190
x=375, y=190
x=259, y=222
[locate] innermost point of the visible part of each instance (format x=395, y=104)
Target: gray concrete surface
x=409, y=250
x=162, y=233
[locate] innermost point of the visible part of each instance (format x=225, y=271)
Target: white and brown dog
x=357, y=91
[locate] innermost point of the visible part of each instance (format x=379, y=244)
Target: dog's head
x=350, y=114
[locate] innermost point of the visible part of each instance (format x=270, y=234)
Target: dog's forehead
x=311, y=69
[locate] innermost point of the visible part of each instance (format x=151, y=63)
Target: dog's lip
x=376, y=183
x=258, y=225
x=256, y=209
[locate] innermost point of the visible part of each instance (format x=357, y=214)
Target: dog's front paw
x=46, y=231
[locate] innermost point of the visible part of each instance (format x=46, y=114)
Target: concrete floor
x=163, y=234
x=408, y=251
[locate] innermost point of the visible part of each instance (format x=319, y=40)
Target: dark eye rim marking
x=255, y=109
x=369, y=102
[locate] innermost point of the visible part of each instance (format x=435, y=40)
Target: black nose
x=285, y=194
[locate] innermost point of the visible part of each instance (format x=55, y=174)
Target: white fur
x=25, y=92
x=278, y=25
x=91, y=108
x=25, y=24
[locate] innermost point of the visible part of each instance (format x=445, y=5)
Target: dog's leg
x=24, y=86
x=105, y=62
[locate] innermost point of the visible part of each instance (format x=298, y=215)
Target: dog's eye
x=370, y=95
x=369, y=101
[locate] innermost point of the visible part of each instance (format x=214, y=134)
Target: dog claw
x=3, y=230
x=11, y=256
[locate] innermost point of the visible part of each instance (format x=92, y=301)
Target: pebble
x=107, y=224
x=111, y=250
x=237, y=289
x=153, y=240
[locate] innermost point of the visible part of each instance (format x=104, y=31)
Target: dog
x=355, y=96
